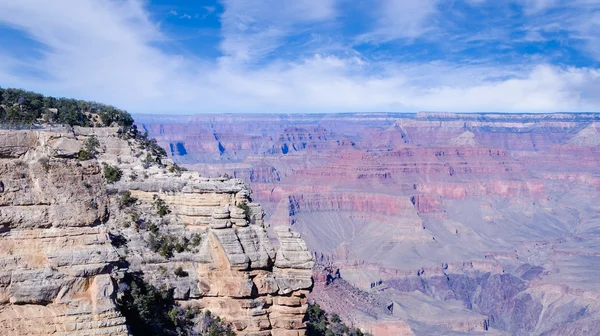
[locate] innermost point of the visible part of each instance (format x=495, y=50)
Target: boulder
x=65, y=147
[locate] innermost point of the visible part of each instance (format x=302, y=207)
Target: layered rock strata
x=67, y=238
x=55, y=255
x=406, y=197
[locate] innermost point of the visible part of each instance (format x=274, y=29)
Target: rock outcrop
x=55, y=255
x=67, y=237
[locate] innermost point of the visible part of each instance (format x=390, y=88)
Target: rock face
x=64, y=233
x=55, y=253
x=437, y=200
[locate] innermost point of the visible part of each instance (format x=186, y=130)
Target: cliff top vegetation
x=20, y=106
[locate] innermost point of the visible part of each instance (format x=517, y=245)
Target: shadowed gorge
x=427, y=223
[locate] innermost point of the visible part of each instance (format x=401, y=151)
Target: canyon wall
x=389, y=199
x=69, y=237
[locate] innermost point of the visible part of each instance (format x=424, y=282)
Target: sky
x=287, y=56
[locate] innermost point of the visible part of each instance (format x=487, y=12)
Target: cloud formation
x=299, y=56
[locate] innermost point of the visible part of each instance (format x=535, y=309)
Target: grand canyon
x=300, y=168
x=426, y=223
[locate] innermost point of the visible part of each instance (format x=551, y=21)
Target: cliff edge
x=82, y=209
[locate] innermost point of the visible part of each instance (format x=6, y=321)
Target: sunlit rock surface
x=60, y=259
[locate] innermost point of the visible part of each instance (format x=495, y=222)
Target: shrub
x=196, y=239
x=90, y=149
x=84, y=155
x=91, y=145
x=244, y=206
x=126, y=200
x=185, y=242
x=117, y=240
x=179, y=247
x=166, y=248
x=135, y=217
x=179, y=272
x=155, y=152
x=162, y=208
x=320, y=324
x=45, y=164
x=153, y=228
x=145, y=307
x=162, y=244
x=111, y=115
x=166, y=244
x=210, y=325
x=112, y=173
x=148, y=161
x=176, y=169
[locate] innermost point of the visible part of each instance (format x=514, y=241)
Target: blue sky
x=209, y=56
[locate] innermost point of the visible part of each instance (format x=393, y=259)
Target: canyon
x=426, y=223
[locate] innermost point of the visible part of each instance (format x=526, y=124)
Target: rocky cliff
x=69, y=236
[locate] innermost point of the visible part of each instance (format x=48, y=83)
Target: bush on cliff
x=90, y=148
x=167, y=244
x=155, y=152
x=127, y=200
x=84, y=155
x=176, y=169
x=319, y=323
x=179, y=272
x=162, y=244
x=92, y=145
x=145, y=307
x=152, y=311
x=162, y=209
x=112, y=173
x=244, y=206
x=211, y=325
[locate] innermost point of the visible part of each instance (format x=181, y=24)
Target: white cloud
x=329, y=84
x=93, y=47
x=253, y=29
x=395, y=19
x=106, y=51
x=577, y=19
x=182, y=16
x=534, y=6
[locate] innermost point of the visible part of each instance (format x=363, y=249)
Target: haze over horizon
x=311, y=56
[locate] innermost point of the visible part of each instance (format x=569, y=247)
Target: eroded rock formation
x=67, y=237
